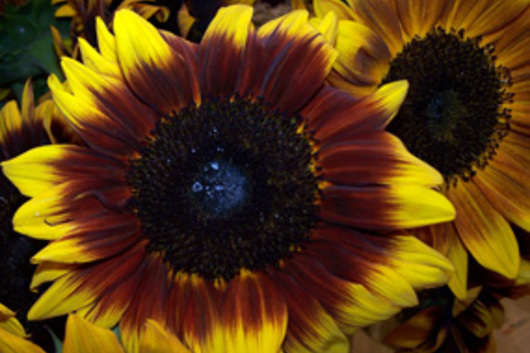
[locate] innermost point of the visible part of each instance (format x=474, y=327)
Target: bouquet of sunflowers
x=232, y=176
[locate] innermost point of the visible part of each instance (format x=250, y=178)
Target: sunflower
x=466, y=114
x=226, y=192
x=84, y=337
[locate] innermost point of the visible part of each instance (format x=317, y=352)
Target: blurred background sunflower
x=466, y=113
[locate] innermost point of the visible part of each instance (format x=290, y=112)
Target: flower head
x=466, y=113
x=225, y=192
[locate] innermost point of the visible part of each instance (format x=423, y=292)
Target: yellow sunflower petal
x=9, y=322
x=352, y=305
x=149, y=63
x=323, y=7
x=96, y=61
x=28, y=101
x=31, y=172
x=419, y=264
x=81, y=286
x=255, y=317
x=84, y=337
x=231, y=23
x=327, y=26
x=524, y=273
x=505, y=182
x=420, y=206
x=457, y=254
x=289, y=24
x=65, y=296
x=391, y=95
x=155, y=339
x=10, y=343
x=42, y=218
x=106, y=41
x=136, y=50
x=64, y=251
x=47, y=272
x=311, y=328
x=84, y=81
x=10, y=119
x=386, y=282
x=363, y=59
x=484, y=231
x=380, y=16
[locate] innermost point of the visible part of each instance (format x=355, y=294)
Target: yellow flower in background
x=467, y=112
x=225, y=192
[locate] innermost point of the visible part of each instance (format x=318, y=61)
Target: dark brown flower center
x=452, y=117
x=225, y=186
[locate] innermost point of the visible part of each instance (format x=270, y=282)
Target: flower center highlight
x=220, y=188
x=225, y=186
x=453, y=116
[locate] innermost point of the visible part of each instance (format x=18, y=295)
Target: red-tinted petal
x=254, y=316
x=222, y=50
x=293, y=63
x=150, y=300
x=333, y=117
x=163, y=76
x=310, y=328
